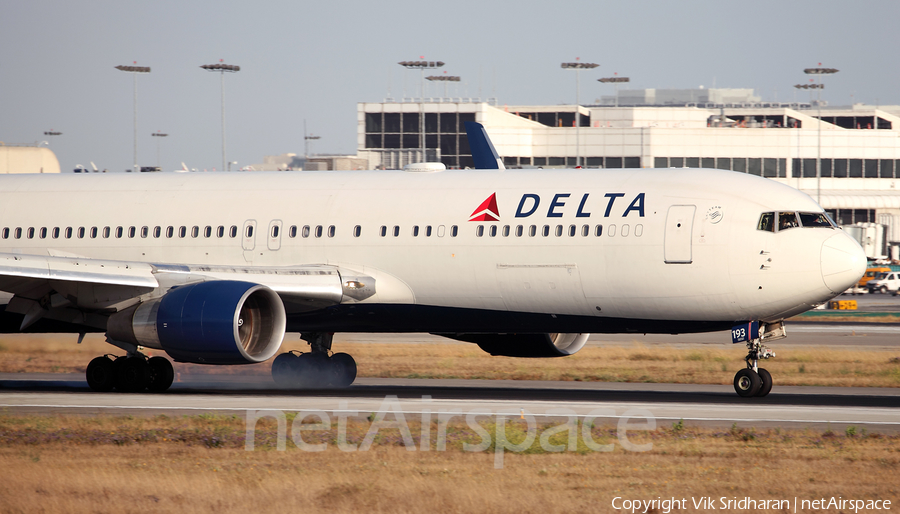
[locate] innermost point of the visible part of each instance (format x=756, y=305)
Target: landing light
x=354, y=284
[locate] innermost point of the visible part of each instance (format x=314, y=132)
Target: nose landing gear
x=753, y=380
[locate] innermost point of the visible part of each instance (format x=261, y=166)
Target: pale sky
x=315, y=60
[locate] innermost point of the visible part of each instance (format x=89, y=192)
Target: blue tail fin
x=483, y=152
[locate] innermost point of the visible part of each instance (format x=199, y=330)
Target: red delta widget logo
x=560, y=204
x=487, y=211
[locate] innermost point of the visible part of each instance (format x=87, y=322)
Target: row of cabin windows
x=572, y=230
x=426, y=231
x=117, y=232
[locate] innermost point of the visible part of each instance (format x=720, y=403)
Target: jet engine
x=525, y=345
x=215, y=322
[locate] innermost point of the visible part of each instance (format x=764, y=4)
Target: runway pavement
x=815, y=407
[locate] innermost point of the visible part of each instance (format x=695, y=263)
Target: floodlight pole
x=615, y=80
x=134, y=70
x=159, y=135
x=818, y=72
x=421, y=66
x=578, y=66
x=222, y=68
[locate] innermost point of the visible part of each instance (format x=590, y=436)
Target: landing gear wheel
x=747, y=383
x=344, y=369
x=284, y=370
x=101, y=374
x=160, y=374
x=312, y=372
x=766, y=379
x=132, y=374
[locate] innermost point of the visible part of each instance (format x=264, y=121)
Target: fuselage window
x=766, y=222
x=545, y=230
x=182, y=231
x=330, y=230
x=519, y=230
x=274, y=231
x=145, y=231
x=43, y=233
x=18, y=232
x=292, y=232
x=453, y=230
x=814, y=219
x=559, y=230
x=30, y=232
x=479, y=230
x=318, y=230
x=357, y=230
x=638, y=230
x=207, y=232
x=383, y=231
x=5, y=232
x=532, y=231
x=170, y=231
x=428, y=231
x=120, y=231
x=493, y=230
x=157, y=231
x=106, y=232
x=249, y=231
x=80, y=232
x=220, y=232
x=132, y=231
x=55, y=233
x=572, y=230
x=195, y=231
x=624, y=231
x=396, y=230
x=93, y=232
x=787, y=220
x=233, y=231
x=415, y=231
x=68, y=232
x=440, y=231
x=305, y=232
x=585, y=230
x=611, y=231
x=505, y=231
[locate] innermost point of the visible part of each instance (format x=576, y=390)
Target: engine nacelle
x=525, y=345
x=216, y=322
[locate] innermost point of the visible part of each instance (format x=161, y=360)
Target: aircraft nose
x=843, y=262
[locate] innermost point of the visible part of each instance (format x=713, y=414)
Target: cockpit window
x=766, y=222
x=787, y=220
x=814, y=219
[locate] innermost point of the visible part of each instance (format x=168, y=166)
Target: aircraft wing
x=74, y=289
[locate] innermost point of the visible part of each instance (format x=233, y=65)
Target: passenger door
x=679, y=229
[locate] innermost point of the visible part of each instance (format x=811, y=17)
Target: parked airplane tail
x=483, y=152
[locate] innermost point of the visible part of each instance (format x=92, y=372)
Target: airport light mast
x=134, y=70
x=159, y=135
x=443, y=78
x=421, y=65
x=222, y=68
x=578, y=66
x=615, y=80
x=818, y=86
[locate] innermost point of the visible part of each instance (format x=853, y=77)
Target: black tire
x=160, y=374
x=132, y=374
x=344, y=369
x=284, y=370
x=747, y=383
x=101, y=374
x=883, y=290
x=766, y=378
x=312, y=372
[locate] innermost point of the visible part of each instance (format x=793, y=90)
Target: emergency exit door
x=679, y=227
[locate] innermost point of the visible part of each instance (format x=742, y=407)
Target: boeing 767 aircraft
x=214, y=268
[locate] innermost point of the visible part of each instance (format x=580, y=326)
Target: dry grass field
x=199, y=464
x=614, y=363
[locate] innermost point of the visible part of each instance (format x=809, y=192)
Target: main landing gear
x=317, y=369
x=133, y=373
x=753, y=380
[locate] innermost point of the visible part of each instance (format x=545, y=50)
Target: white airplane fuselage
x=677, y=250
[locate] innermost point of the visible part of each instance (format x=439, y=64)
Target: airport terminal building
x=709, y=128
